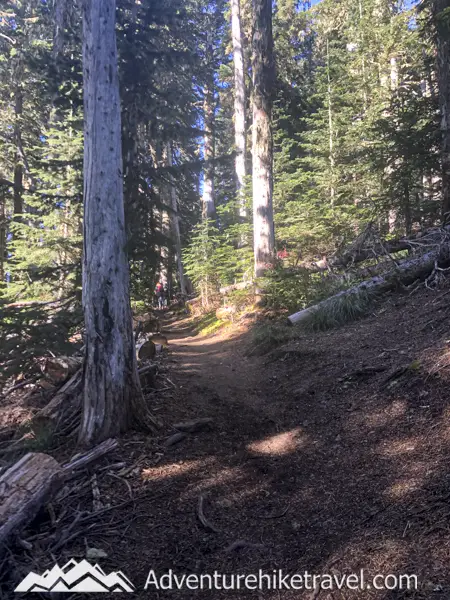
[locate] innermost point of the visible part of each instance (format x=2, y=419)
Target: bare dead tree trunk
x=2, y=235
x=442, y=32
x=330, y=129
x=113, y=399
x=18, y=159
x=209, y=209
x=263, y=81
x=175, y=223
x=239, y=104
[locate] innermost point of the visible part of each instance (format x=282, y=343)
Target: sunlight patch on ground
x=232, y=483
x=382, y=418
x=280, y=444
x=381, y=555
x=222, y=477
x=396, y=447
x=174, y=469
x=413, y=477
x=403, y=488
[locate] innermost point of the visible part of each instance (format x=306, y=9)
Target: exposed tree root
x=201, y=516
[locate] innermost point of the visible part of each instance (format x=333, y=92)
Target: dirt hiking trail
x=328, y=455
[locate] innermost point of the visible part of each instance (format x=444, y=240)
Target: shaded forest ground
x=330, y=454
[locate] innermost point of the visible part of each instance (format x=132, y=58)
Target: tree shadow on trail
x=329, y=459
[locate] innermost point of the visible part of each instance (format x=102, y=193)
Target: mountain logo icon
x=76, y=577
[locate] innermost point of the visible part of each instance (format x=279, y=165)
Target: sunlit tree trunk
x=262, y=143
x=2, y=235
x=330, y=129
x=113, y=399
x=18, y=158
x=442, y=30
x=208, y=201
x=239, y=103
x=175, y=223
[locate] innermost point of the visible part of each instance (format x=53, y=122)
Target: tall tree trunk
x=2, y=235
x=113, y=399
x=208, y=201
x=175, y=223
x=239, y=104
x=263, y=81
x=330, y=129
x=442, y=31
x=61, y=8
x=164, y=228
x=18, y=158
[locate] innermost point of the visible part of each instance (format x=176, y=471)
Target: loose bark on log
x=80, y=461
x=24, y=488
x=406, y=272
x=70, y=390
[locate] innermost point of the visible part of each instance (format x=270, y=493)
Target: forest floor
x=328, y=455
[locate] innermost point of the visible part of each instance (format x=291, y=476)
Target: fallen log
x=32, y=481
x=59, y=368
x=24, y=489
x=406, y=272
x=235, y=286
x=146, y=350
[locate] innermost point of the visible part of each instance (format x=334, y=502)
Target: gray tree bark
x=208, y=201
x=3, y=225
x=175, y=223
x=442, y=32
x=263, y=81
x=18, y=159
x=113, y=400
x=239, y=104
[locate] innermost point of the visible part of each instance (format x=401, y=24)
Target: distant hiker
x=159, y=292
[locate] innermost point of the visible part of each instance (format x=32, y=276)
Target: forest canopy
x=257, y=139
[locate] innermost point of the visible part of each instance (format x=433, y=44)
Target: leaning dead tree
x=433, y=255
x=369, y=245
x=113, y=400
